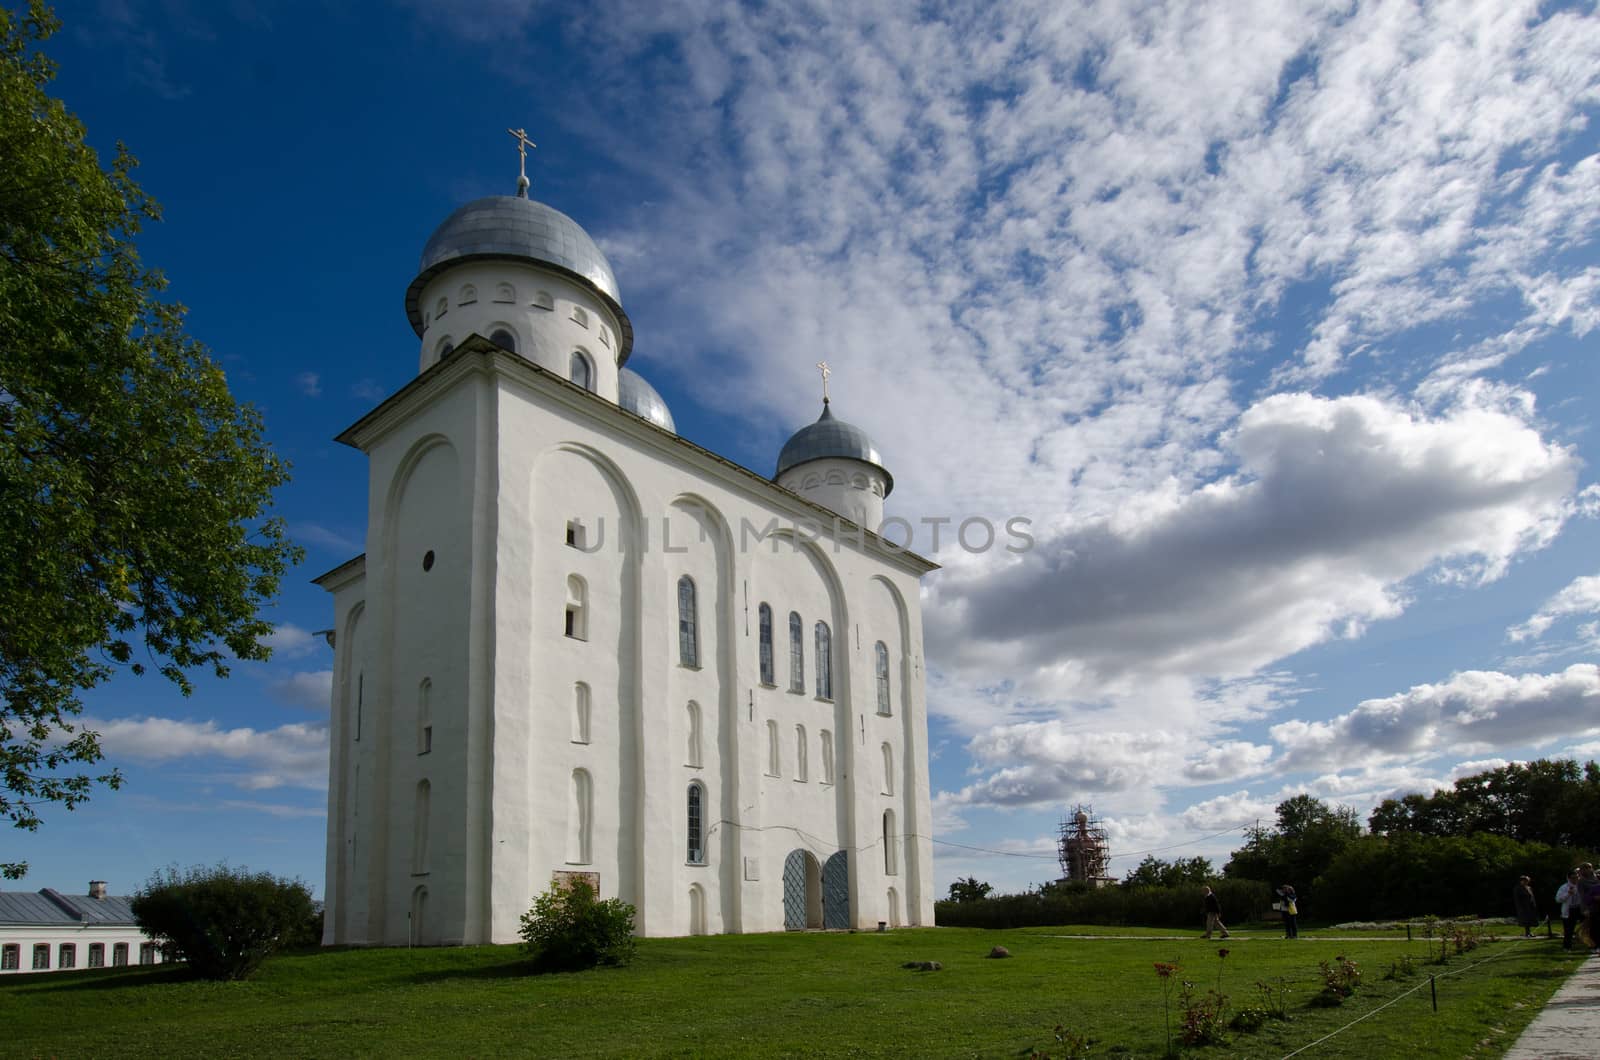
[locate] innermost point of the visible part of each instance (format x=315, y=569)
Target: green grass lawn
x=825, y=995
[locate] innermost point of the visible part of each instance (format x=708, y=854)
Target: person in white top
x=1570, y=898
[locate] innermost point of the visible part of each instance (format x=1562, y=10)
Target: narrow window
x=361, y=680
x=419, y=828
x=68, y=955
x=888, y=769
x=692, y=754
x=41, y=956
x=576, y=538
x=824, y=662
x=882, y=651
x=827, y=756
x=773, y=760
x=11, y=957
x=797, y=653
x=147, y=953
x=697, y=852
x=119, y=955
x=503, y=338
x=542, y=300
x=424, y=717
x=580, y=317
x=801, y=765
x=97, y=954
x=767, y=675
x=580, y=713
x=468, y=295
x=505, y=293
x=580, y=372
x=891, y=863
x=576, y=624
x=444, y=349
x=688, y=635
x=605, y=337
x=579, y=818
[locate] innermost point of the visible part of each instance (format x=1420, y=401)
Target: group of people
x=1287, y=904
x=1576, y=899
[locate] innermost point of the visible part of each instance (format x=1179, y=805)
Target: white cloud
x=293, y=755
x=1475, y=709
x=312, y=689
x=306, y=533
x=309, y=383
x=1581, y=597
x=289, y=641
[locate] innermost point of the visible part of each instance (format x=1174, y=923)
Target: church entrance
x=836, y=891
x=802, y=891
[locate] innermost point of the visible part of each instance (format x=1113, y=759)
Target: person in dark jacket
x=1291, y=911
x=1213, y=909
x=1527, y=905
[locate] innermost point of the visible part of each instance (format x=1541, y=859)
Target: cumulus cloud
x=1475, y=709
x=312, y=689
x=1581, y=597
x=289, y=641
x=309, y=383
x=289, y=755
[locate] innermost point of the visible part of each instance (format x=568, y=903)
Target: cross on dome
x=822, y=366
x=523, y=143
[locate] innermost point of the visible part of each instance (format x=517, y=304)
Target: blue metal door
x=794, y=891
x=836, y=891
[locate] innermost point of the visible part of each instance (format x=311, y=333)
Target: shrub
x=569, y=928
x=223, y=921
x=1339, y=981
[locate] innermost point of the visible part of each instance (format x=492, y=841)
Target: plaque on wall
x=563, y=880
x=752, y=869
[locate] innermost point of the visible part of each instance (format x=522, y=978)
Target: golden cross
x=822, y=366
x=523, y=143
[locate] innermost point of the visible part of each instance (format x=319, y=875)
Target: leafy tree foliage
x=225, y=921
x=969, y=890
x=1548, y=801
x=1173, y=907
x=1309, y=834
x=132, y=485
x=1153, y=872
x=570, y=928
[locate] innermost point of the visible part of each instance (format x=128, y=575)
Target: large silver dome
x=640, y=398
x=510, y=227
x=834, y=438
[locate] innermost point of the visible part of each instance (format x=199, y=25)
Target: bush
x=224, y=922
x=568, y=929
x=1174, y=907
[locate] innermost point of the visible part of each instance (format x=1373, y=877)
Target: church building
x=581, y=646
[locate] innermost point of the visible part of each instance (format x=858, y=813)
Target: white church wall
x=853, y=489
x=345, y=892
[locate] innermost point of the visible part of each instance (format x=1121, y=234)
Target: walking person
x=1291, y=911
x=1527, y=905
x=1213, y=909
x=1569, y=900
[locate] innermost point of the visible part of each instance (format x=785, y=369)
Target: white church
x=581, y=646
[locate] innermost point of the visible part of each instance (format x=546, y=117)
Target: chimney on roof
x=97, y=888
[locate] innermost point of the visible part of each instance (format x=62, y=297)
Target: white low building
x=580, y=644
x=48, y=931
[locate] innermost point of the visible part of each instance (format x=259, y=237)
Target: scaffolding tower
x=1085, y=854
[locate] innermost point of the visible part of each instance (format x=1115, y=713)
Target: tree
x=224, y=921
x=1308, y=836
x=1545, y=801
x=969, y=890
x=133, y=487
x=1153, y=872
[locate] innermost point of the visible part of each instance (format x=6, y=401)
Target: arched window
x=688, y=634
x=888, y=769
x=580, y=818
x=764, y=614
x=419, y=828
x=697, y=801
x=444, y=349
x=891, y=860
x=580, y=371
x=542, y=300
x=580, y=713
x=773, y=761
x=882, y=652
x=797, y=653
x=824, y=662
x=505, y=293
x=441, y=308
x=827, y=756
x=577, y=620
x=692, y=754
x=468, y=295
x=580, y=317
x=424, y=717
x=800, y=757
x=503, y=338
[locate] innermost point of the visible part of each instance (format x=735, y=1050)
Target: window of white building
x=797, y=653
x=881, y=650
x=688, y=632
x=576, y=624
x=697, y=799
x=765, y=620
x=424, y=717
x=580, y=371
x=824, y=661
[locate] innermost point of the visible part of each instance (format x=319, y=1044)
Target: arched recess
x=908, y=775
x=419, y=916
x=717, y=619
x=560, y=477
x=347, y=774
x=697, y=909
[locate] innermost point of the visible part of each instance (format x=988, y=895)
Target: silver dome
x=640, y=398
x=512, y=227
x=831, y=438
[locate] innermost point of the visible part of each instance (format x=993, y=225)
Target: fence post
x=1433, y=988
x=1408, y=931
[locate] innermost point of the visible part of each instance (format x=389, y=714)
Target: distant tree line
x=1456, y=852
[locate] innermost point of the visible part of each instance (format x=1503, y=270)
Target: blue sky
x=1278, y=321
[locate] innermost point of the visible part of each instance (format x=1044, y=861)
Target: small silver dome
x=640, y=398
x=510, y=227
x=834, y=438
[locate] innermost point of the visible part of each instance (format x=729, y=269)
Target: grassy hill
x=825, y=995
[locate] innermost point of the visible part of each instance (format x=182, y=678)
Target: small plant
x=569, y=928
x=1204, y=1021
x=1069, y=1045
x=1275, y=998
x=1402, y=967
x=1167, y=971
x=1222, y=960
x=1249, y=1018
x=1339, y=981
